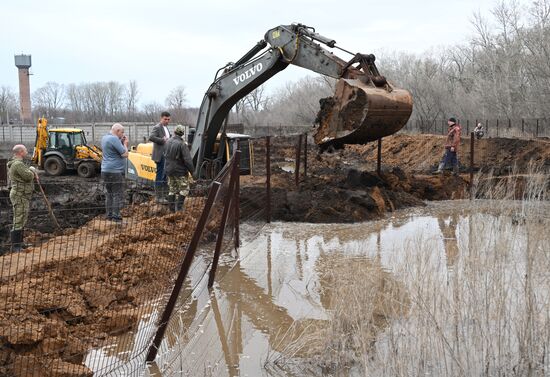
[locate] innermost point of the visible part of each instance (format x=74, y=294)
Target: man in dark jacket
x=179, y=165
x=159, y=136
x=22, y=187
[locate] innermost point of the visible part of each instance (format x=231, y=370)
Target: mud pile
x=82, y=287
x=342, y=185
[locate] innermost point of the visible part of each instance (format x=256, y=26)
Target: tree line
x=501, y=71
x=95, y=102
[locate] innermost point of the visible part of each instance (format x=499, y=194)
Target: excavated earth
x=48, y=332
x=343, y=186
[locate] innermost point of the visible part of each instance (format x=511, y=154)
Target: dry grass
x=483, y=312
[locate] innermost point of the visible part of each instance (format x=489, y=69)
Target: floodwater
x=282, y=276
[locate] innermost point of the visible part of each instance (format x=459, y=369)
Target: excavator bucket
x=359, y=113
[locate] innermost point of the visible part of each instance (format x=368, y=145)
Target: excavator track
x=359, y=113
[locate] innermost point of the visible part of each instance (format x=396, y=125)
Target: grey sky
x=166, y=43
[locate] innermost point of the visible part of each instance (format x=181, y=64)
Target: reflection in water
x=284, y=287
x=448, y=230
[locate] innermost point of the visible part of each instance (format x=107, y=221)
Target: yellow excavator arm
x=41, y=142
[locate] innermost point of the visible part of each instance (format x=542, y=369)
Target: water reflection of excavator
x=365, y=107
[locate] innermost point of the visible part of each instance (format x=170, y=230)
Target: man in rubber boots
x=22, y=187
x=179, y=164
x=451, y=147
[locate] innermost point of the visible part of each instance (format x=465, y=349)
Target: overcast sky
x=166, y=43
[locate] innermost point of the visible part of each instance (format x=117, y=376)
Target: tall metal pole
x=185, y=266
x=298, y=155
x=471, y=165
x=237, y=199
x=379, y=157
x=268, y=177
x=305, y=155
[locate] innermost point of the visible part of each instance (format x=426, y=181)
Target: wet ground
x=281, y=289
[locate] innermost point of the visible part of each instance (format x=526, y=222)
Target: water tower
x=23, y=63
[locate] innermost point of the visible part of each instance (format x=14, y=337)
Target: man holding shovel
x=22, y=186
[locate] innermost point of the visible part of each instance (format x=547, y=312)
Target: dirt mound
x=80, y=288
x=422, y=153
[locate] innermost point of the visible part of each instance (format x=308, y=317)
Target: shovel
x=48, y=205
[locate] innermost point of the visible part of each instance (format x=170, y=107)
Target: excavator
x=59, y=149
x=364, y=108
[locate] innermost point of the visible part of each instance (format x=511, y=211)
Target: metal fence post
x=468, y=126
x=186, y=264
x=268, y=177
x=537, y=132
x=297, y=165
x=379, y=157
x=237, y=204
x=497, y=127
x=225, y=215
x=471, y=165
x=305, y=155
x=487, y=126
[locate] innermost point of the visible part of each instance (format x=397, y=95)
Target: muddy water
x=241, y=328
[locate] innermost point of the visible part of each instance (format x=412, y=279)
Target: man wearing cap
x=451, y=147
x=22, y=187
x=179, y=165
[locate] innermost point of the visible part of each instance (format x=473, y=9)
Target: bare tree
x=176, y=100
x=131, y=98
x=49, y=98
x=152, y=111
x=8, y=104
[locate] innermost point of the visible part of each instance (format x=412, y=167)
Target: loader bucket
x=359, y=113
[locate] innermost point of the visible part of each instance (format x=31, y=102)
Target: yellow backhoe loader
x=59, y=149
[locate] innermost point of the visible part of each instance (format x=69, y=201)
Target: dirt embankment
x=343, y=186
x=78, y=289
x=90, y=283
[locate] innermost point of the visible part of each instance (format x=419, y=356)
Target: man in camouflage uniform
x=179, y=165
x=22, y=187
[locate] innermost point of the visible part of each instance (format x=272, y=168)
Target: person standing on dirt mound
x=159, y=136
x=115, y=151
x=179, y=165
x=451, y=148
x=22, y=187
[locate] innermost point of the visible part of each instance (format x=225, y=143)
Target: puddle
x=282, y=289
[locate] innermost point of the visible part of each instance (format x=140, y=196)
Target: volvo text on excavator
x=364, y=108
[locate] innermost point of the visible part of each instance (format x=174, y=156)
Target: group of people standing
x=171, y=154
x=173, y=166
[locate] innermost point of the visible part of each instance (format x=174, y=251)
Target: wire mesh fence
x=493, y=127
x=85, y=298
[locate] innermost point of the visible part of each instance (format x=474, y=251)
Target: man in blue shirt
x=115, y=151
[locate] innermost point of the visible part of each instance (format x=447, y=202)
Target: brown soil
x=88, y=284
x=80, y=288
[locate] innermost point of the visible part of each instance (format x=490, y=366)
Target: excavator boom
x=365, y=106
